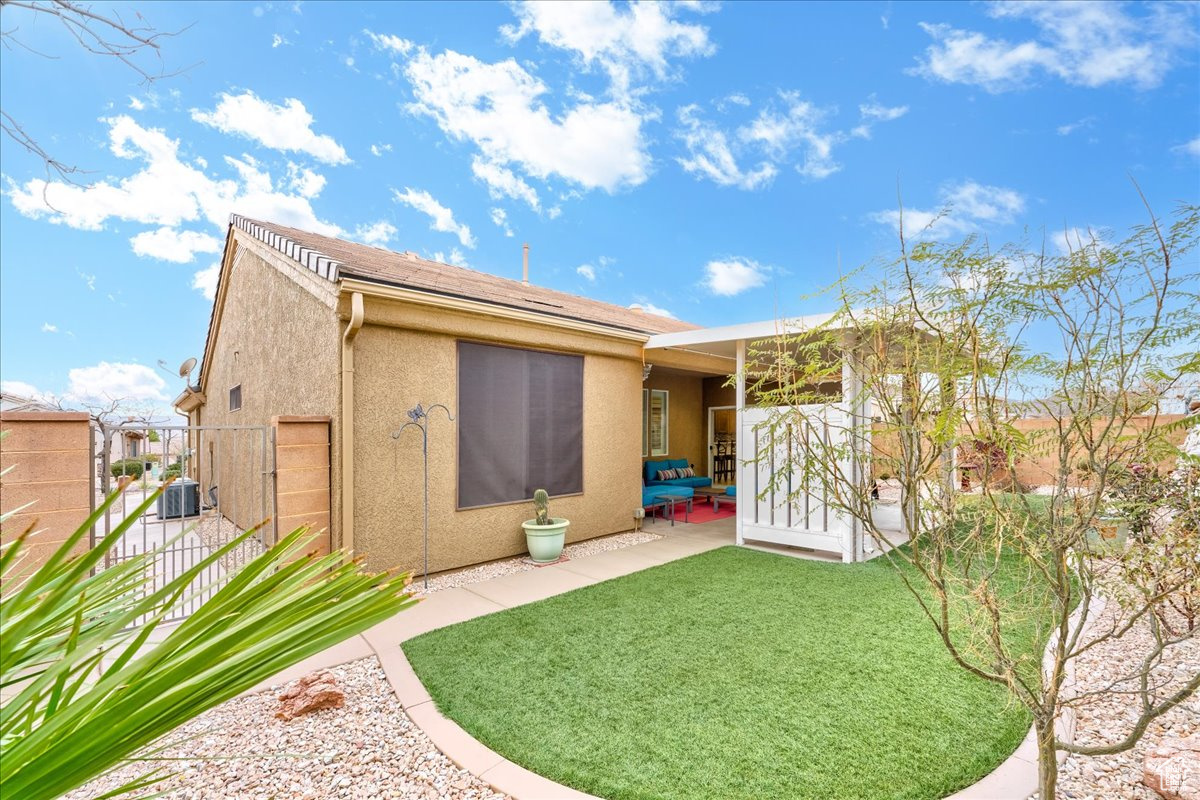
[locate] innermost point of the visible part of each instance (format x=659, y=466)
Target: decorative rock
x=1173, y=768
x=313, y=692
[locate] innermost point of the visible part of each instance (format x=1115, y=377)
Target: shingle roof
x=335, y=258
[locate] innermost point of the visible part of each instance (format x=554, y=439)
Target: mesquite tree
x=948, y=347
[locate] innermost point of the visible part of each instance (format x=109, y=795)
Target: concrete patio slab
x=434, y=611
x=520, y=588
x=612, y=564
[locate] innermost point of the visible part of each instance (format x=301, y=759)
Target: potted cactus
x=544, y=535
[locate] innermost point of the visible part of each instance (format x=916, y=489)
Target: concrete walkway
x=450, y=606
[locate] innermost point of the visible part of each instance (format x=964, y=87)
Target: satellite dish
x=185, y=369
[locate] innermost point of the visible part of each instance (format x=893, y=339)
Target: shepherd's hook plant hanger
x=419, y=418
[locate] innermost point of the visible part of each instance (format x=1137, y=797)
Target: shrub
x=128, y=467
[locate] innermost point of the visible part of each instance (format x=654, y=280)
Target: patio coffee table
x=712, y=493
x=673, y=500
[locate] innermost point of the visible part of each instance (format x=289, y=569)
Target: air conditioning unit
x=180, y=499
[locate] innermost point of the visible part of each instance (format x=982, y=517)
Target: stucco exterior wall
x=49, y=456
x=687, y=435
x=406, y=355
x=281, y=343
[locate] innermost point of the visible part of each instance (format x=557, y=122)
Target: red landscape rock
x=1173, y=769
x=313, y=692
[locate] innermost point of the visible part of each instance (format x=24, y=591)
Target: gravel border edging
x=1017, y=775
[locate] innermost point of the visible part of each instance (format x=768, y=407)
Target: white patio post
x=854, y=401
x=740, y=392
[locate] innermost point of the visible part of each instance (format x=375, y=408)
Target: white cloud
x=1082, y=43
x=107, y=381
x=377, y=233
x=500, y=219
x=389, y=43
x=625, y=43
x=1074, y=240
x=136, y=104
x=732, y=276
x=303, y=181
x=710, y=155
x=498, y=107
x=380, y=149
x=441, y=218
x=90, y=280
x=1071, y=127
x=872, y=112
x=48, y=328
x=25, y=390
x=1191, y=148
x=455, y=258
x=966, y=207
x=171, y=244
x=787, y=130
x=287, y=127
x=166, y=191
x=587, y=271
x=796, y=127
x=502, y=182
x=277, y=41
x=650, y=308
x=205, y=280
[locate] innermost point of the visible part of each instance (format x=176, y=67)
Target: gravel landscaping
x=1108, y=718
x=216, y=531
x=510, y=565
x=368, y=748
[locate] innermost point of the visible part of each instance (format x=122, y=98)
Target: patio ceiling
x=723, y=341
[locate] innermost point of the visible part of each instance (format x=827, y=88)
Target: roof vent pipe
x=525, y=266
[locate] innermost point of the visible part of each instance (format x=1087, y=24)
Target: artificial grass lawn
x=730, y=674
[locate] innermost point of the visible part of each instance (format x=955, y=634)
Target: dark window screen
x=520, y=424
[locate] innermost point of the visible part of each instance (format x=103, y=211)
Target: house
x=547, y=389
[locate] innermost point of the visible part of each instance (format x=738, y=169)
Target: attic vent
x=410, y=255
x=541, y=302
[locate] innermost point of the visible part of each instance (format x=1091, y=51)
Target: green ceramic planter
x=545, y=542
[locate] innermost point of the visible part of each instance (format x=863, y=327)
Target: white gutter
x=346, y=425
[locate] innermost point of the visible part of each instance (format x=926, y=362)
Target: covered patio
x=775, y=508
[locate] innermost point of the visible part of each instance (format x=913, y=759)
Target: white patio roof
x=723, y=341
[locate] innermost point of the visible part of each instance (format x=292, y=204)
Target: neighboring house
x=549, y=390
x=16, y=402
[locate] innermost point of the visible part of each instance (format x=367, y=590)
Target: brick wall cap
x=285, y=418
x=44, y=416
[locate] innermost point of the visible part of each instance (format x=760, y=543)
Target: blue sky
x=711, y=161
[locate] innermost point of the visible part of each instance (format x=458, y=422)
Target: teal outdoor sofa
x=650, y=470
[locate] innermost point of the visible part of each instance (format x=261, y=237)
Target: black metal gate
x=221, y=484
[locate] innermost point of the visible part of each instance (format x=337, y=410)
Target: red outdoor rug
x=702, y=511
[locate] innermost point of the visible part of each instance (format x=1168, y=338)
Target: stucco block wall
x=281, y=343
x=50, y=457
x=1038, y=471
x=398, y=367
x=687, y=436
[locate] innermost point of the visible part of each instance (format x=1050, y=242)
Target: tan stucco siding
x=398, y=367
x=687, y=433
x=280, y=343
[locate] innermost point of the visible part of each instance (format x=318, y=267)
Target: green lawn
x=731, y=674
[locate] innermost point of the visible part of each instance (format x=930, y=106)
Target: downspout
x=346, y=425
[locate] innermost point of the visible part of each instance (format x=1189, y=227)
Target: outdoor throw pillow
x=667, y=474
x=686, y=472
